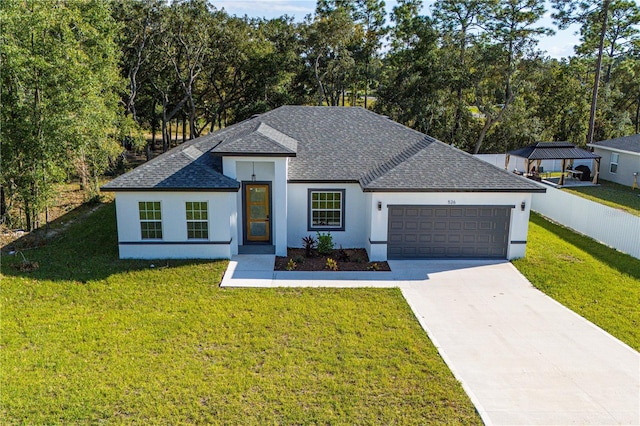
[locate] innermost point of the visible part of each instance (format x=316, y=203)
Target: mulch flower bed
x=345, y=260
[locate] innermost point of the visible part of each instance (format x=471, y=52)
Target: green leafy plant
x=325, y=243
x=309, y=244
x=291, y=265
x=299, y=259
x=374, y=267
x=332, y=264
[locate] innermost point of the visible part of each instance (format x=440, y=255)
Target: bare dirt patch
x=345, y=260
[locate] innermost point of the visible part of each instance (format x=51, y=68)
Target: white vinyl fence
x=613, y=227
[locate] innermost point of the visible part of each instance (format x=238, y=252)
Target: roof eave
x=508, y=190
x=253, y=154
x=321, y=181
x=169, y=189
x=608, y=148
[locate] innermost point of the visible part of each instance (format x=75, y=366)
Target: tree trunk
x=184, y=128
x=638, y=115
x=27, y=216
x=596, y=80
x=321, y=93
x=165, y=135
x=459, y=88
x=177, y=125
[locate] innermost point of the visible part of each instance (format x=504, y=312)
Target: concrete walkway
x=521, y=357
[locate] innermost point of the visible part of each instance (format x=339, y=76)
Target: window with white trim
x=613, y=166
x=326, y=209
x=197, y=220
x=150, y=220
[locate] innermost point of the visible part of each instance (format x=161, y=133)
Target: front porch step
x=257, y=249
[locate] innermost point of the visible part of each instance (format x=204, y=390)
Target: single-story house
x=620, y=159
x=261, y=185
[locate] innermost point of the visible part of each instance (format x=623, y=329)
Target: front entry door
x=257, y=203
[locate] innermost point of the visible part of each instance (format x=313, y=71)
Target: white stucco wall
x=628, y=164
x=518, y=227
x=174, y=243
x=355, y=220
x=273, y=171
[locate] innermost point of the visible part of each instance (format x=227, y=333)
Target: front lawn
x=611, y=194
x=597, y=282
x=87, y=338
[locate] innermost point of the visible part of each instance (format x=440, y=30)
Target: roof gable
x=259, y=139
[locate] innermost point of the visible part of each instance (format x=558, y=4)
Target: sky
x=557, y=46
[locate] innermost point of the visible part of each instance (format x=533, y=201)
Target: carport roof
x=553, y=151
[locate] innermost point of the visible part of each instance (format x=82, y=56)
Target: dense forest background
x=81, y=80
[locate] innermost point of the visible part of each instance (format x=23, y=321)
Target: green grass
x=88, y=338
x=611, y=194
x=597, y=282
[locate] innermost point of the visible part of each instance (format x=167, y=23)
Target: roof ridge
x=283, y=140
x=380, y=169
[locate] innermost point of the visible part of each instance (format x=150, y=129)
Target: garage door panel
x=448, y=232
x=455, y=226
x=440, y=226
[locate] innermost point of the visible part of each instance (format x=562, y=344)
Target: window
x=197, y=220
x=326, y=209
x=613, y=167
x=150, y=220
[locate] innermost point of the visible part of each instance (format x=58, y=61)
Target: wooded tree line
x=82, y=79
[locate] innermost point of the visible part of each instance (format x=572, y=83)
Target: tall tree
x=59, y=97
x=328, y=59
x=411, y=81
x=369, y=17
x=580, y=12
x=460, y=23
x=622, y=30
x=512, y=28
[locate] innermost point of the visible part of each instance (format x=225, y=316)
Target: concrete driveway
x=523, y=358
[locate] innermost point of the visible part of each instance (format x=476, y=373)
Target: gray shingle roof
x=260, y=139
x=328, y=144
x=553, y=151
x=184, y=167
x=625, y=143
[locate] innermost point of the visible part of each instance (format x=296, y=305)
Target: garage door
x=418, y=232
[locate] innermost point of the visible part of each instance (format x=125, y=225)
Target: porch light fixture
x=523, y=205
x=253, y=174
x=379, y=205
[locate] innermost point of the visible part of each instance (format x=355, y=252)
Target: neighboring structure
x=565, y=151
x=261, y=185
x=621, y=159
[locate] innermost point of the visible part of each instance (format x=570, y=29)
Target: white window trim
x=206, y=203
x=310, y=210
x=141, y=221
x=612, y=163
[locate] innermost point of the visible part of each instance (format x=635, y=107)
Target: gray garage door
x=418, y=232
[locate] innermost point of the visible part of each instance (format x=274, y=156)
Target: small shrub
x=343, y=256
x=358, y=259
x=332, y=264
x=299, y=259
x=325, y=243
x=309, y=244
x=291, y=265
x=374, y=267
